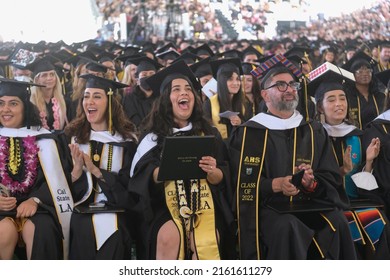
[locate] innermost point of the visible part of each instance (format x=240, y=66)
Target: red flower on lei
x=30, y=156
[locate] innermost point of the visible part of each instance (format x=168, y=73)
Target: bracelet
x=313, y=186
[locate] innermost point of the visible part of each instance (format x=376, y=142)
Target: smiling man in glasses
x=265, y=152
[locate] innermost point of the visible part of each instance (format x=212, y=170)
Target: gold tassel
x=110, y=93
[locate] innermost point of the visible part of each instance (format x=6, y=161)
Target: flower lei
x=30, y=156
x=56, y=115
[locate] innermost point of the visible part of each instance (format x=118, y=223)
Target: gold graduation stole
x=249, y=183
x=355, y=109
x=248, y=196
x=193, y=215
x=215, y=110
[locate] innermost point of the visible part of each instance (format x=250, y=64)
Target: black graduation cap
x=127, y=59
x=105, y=56
x=251, y=50
x=149, y=47
x=229, y=54
x=63, y=55
x=248, y=67
x=384, y=77
x=226, y=65
x=166, y=47
x=11, y=87
x=43, y=64
x=202, y=68
x=93, y=81
x=188, y=58
x=350, y=47
x=298, y=60
x=23, y=57
x=145, y=63
x=108, y=85
x=297, y=50
x=169, y=54
x=130, y=50
x=179, y=69
x=96, y=67
x=203, y=50
x=81, y=58
x=189, y=49
x=384, y=43
x=328, y=80
x=358, y=60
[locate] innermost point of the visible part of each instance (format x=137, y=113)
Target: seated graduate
x=184, y=230
x=380, y=127
x=36, y=204
x=102, y=147
x=264, y=153
x=229, y=97
x=369, y=226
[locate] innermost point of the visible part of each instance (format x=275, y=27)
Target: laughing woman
x=102, y=147
x=32, y=180
x=206, y=230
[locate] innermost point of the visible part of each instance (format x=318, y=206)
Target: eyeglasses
x=282, y=86
x=363, y=71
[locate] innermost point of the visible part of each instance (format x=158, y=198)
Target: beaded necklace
x=96, y=160
x=188, y=211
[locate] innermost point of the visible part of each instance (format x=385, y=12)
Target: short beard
x=287, y=106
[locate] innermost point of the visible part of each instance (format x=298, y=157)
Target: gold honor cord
x=14, y=156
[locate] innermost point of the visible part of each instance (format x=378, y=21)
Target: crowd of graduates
x=83, y=127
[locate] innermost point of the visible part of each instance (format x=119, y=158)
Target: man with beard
x=139, y=103
x=265, y=152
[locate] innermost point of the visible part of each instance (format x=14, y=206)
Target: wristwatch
x=37, y=200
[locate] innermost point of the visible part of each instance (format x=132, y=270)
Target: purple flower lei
x=30, y=156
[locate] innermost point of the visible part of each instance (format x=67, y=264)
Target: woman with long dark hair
x=174, y=227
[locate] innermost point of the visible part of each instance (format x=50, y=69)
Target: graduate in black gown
x=36, y=203
x=230, y=97
x=265, y=152
x=139, y=102
x=366, y=96
x=380, y=127
x=201, y=225
x=102, y=147
x=368, y=223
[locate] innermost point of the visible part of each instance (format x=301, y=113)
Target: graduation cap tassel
x=306, y=55
x=306, y=98
x=110, y=93
x=27, y=116
x=8, y=72
x=63, y=86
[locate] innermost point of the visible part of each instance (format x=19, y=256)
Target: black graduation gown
x=286, y=236
x=153, y=212
x=363, y=111
x=137, y=105
x=380, y=128
x=82, y=236
x=47, y=243
x=382, y=251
